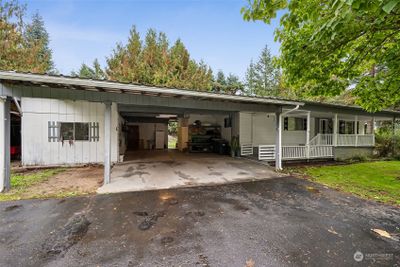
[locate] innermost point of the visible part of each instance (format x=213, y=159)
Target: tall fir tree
x=23, y=47
x=94, y=72
x=153, y=61
x=37, y=36
x=262, y=77
x=229, y=84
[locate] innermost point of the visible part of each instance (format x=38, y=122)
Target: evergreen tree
x=233, y=84
x=23, y=47
x=95, y=72
x=262, y=77
x=36, y=36
x=227, y=84
x=153, y=61
x=250, y=80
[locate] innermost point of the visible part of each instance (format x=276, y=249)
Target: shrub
x=387, y=143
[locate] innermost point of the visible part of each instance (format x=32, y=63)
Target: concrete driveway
x=275, y=222
x=164, y=170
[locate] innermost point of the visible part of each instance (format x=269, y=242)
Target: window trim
x=286, y=124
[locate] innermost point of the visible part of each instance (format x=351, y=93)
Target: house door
x=133, y=137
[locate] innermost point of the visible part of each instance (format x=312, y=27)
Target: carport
x=113, y=99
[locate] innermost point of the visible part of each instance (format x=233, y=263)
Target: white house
x=67, y=121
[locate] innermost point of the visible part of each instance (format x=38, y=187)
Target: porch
x=304, y=134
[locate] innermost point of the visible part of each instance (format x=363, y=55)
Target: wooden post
x=278, y=140
x=308, y=135
x=107, y=143
x=373, y=130
x=335, y=130
x=355, y=129
x=5, y=125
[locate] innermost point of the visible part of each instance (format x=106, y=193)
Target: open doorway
x=172, y=134
x=15, y=134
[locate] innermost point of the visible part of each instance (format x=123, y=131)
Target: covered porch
x=304, y=134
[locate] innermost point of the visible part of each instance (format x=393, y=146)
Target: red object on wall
x=15, y=151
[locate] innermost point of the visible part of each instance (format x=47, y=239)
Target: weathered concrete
x=276, y=222
x=164, y=170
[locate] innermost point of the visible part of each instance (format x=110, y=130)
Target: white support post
x=335, y=129
x=373, y=130
x=107, y=143
x=278, y=141
x=355, y=129
x=308, y=134
x=5, y=124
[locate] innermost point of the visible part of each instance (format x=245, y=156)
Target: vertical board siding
x=258, y=128
x=36, y=148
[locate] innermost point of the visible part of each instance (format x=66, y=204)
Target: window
x=82, y=131
x=346, y=127
x=78, y=131
x=67, y=131
x=294, y=124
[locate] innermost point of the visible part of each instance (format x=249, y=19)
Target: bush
x=387, y=144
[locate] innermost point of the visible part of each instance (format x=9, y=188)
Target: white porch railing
x=322, y=139
x=355, y=140
x=343, y=140
x=294, y=152
x=267, y=152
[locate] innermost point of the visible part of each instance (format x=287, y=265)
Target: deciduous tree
x=332, y=46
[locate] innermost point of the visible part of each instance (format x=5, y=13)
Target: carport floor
x=168, y=169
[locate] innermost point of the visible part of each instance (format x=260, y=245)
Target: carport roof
x=75, y=83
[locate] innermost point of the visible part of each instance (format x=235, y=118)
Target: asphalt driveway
x=276, y=222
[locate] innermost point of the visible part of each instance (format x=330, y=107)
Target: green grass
x=379, y=180
x=172, y=142
x=20, y=182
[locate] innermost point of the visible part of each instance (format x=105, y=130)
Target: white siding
x=37, y=150
x=259, y=129
x=245, y=122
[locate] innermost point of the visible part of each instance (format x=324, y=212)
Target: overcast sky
x=212, y=30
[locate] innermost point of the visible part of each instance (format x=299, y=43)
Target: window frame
x=303, y=123
x=87, y=128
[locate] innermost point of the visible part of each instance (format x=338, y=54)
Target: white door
x=160, y=138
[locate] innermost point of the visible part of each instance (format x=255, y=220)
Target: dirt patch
x=67, y=236
x=83, y=180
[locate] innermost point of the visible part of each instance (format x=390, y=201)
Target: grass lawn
x=20, y=182
x=378, y=180
x=172, y=142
